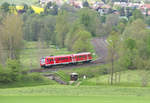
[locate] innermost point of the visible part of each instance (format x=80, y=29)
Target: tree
x=32, y=26
x=51, y=8
x=73, y=35
x=90, y=20
x=104, y=1
x=62, y=28
x=35, y=28
x=25, y=7
x=5, y=7
x=122, y=11
x=111, y=21
x=135, y=36
x=47, y=31
x=137, y=14
x=128, y=12
x=69, y=8
x=147, y=21
x=11, y=35
x=113, y=41
x=85, y=4
x=83, y=44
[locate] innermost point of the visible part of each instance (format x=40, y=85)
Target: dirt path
x=100, y=46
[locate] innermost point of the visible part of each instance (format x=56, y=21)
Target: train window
x=42, y=61
x=48, y=60
x=80, y=56
x=51, y=60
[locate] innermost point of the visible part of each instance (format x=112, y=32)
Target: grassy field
x=74, y=94
x=30, y=56
x=74, y=99
x=60, y=90
x=128, y=78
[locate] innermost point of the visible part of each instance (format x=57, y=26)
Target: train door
x=50, y=61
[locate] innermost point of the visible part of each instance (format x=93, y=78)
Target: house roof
x=146, y=6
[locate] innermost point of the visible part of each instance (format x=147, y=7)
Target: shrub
x=14, y=69
x=36, y=77
x=25, y=78
x=5, y=76
x=11, y=72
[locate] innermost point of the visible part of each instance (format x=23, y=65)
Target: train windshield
x=43, y=61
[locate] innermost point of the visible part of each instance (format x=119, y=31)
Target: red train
x=65, y=59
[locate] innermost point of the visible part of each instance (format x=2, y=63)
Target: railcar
x=65, y=59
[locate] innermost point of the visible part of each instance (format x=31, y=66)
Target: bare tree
x=112, y=53
x=11, y=35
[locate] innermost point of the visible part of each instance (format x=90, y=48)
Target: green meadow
x=60, y=90
x=130, y=78
x=32, y=53
x=74, y=99
x=74, y=94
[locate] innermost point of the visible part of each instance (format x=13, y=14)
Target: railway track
x=101, y=50
x=71, y=66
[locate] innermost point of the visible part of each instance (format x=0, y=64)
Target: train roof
x=82, y=53
x=68, y=55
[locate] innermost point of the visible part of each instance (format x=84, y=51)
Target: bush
x=25, y=78
x=10, y=73
x=5, y=76
x=32, y=77
x=14, y=69
x=13, y=73
x=36, y=77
